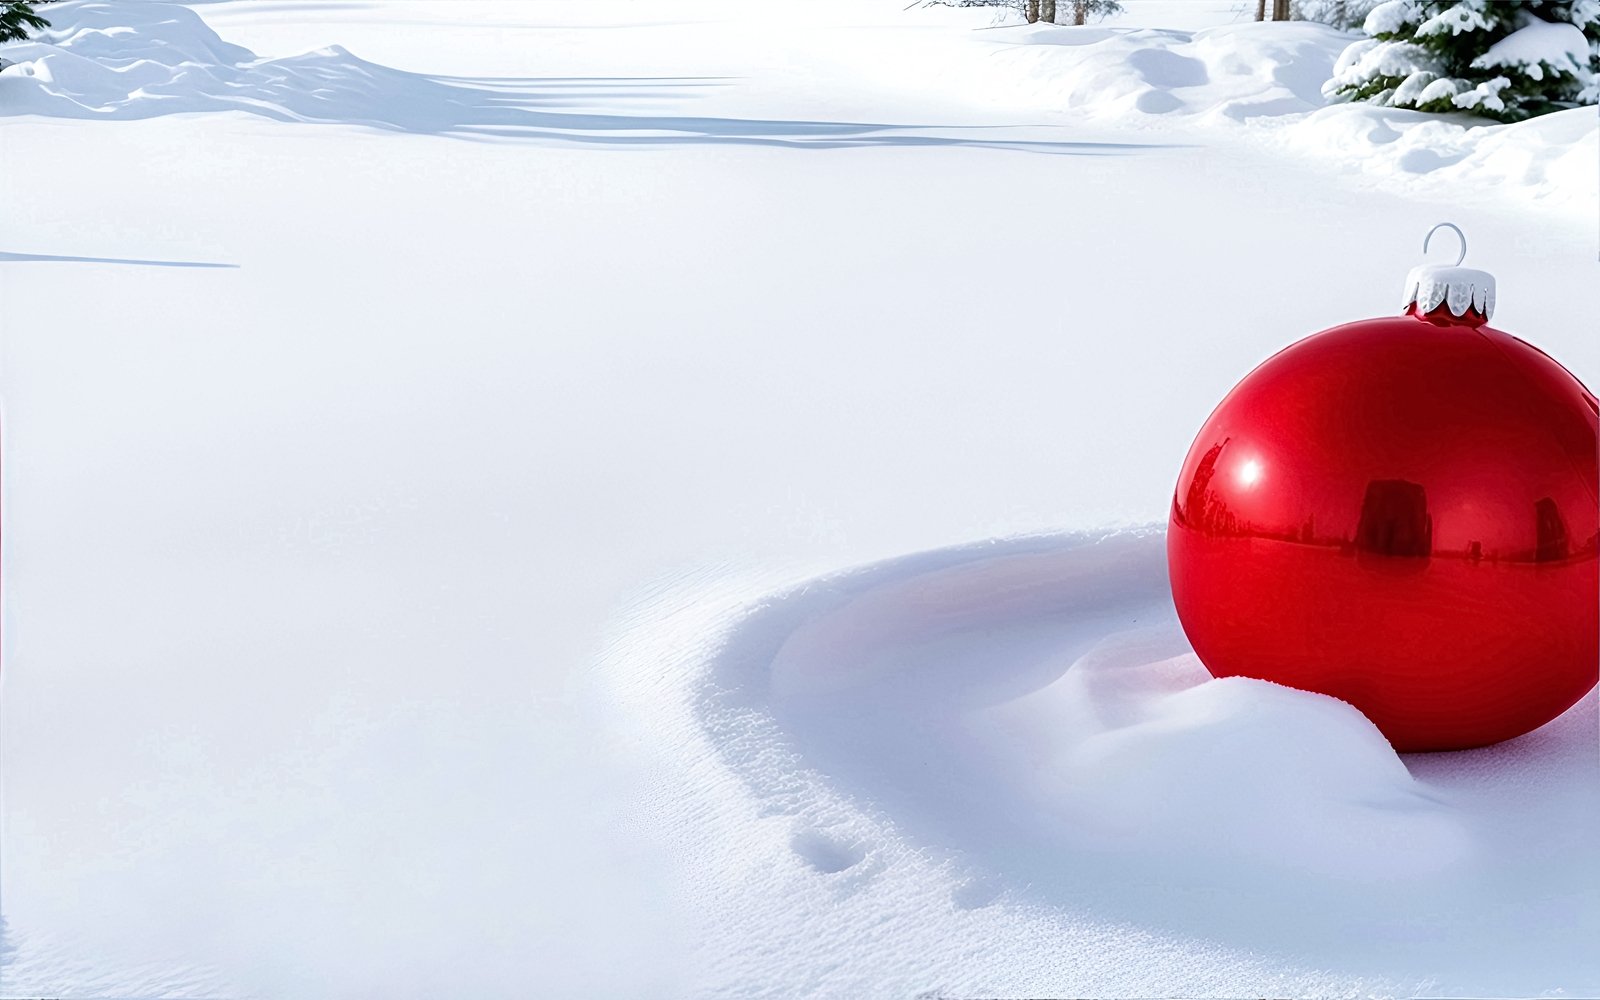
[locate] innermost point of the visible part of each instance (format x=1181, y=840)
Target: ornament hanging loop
x=1459, y=235
x=1467, y=292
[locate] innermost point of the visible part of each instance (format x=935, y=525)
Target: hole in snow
x=824, y=853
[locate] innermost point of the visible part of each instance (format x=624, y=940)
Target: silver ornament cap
x=1459, y=289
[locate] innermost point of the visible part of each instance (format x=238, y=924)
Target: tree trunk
x=1080, y=11
x=1033, y=11
x=1047, y=11
x=1261, y=10
x=1280, y=10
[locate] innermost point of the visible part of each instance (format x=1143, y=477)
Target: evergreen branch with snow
x=18, y=18
x=1503, y=60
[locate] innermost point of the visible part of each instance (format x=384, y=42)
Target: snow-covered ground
x=570, y=498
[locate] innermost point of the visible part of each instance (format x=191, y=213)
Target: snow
x=663, y=500
x=1390, y=17
x=1537, y=44
x=1435, y=90
x=1484, y=95
x=1233, y=72
x=1370, y=58
x=1413, y=86
x=1457, y=20
x=1276, y=78
x=1118, y=751
x=1009, y=743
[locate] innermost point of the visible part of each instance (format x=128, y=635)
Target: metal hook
x=1459, y=235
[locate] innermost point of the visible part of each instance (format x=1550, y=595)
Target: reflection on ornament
x=1250, y=472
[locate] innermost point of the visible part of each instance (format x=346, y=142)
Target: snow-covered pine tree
x=17, y=18
x=1341, y=14
x=1505, y=60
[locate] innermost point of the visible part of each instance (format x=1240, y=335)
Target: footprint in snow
x=828, y=855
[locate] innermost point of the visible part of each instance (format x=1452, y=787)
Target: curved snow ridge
x=1039, y=692
x=999, y=768
x=802, y=882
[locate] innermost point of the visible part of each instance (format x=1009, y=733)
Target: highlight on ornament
x=1402, y=513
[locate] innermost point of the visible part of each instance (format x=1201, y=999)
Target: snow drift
x=1015, y=733
x=1232, y=73
x=122, y=61
x=1269, y=78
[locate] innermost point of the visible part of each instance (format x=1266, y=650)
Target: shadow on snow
x=125, y=62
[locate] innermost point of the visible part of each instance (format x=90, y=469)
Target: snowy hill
x=666, y=498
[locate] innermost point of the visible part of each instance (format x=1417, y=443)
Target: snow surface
x=588, y=498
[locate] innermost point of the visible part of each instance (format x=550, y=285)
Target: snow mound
x=1131, y=752
x=1549, y=158
x=124, y=61
x=1096, y=734
x=1234, y=73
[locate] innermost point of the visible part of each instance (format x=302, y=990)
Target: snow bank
x=119, y=61
x=1234, y=73
x=122, y=61
x=1271, y=78
x=1549, y=158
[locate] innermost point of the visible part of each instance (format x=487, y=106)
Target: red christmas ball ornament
x=1402, y=513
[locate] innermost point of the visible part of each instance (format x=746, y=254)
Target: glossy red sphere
x=1401, y=513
